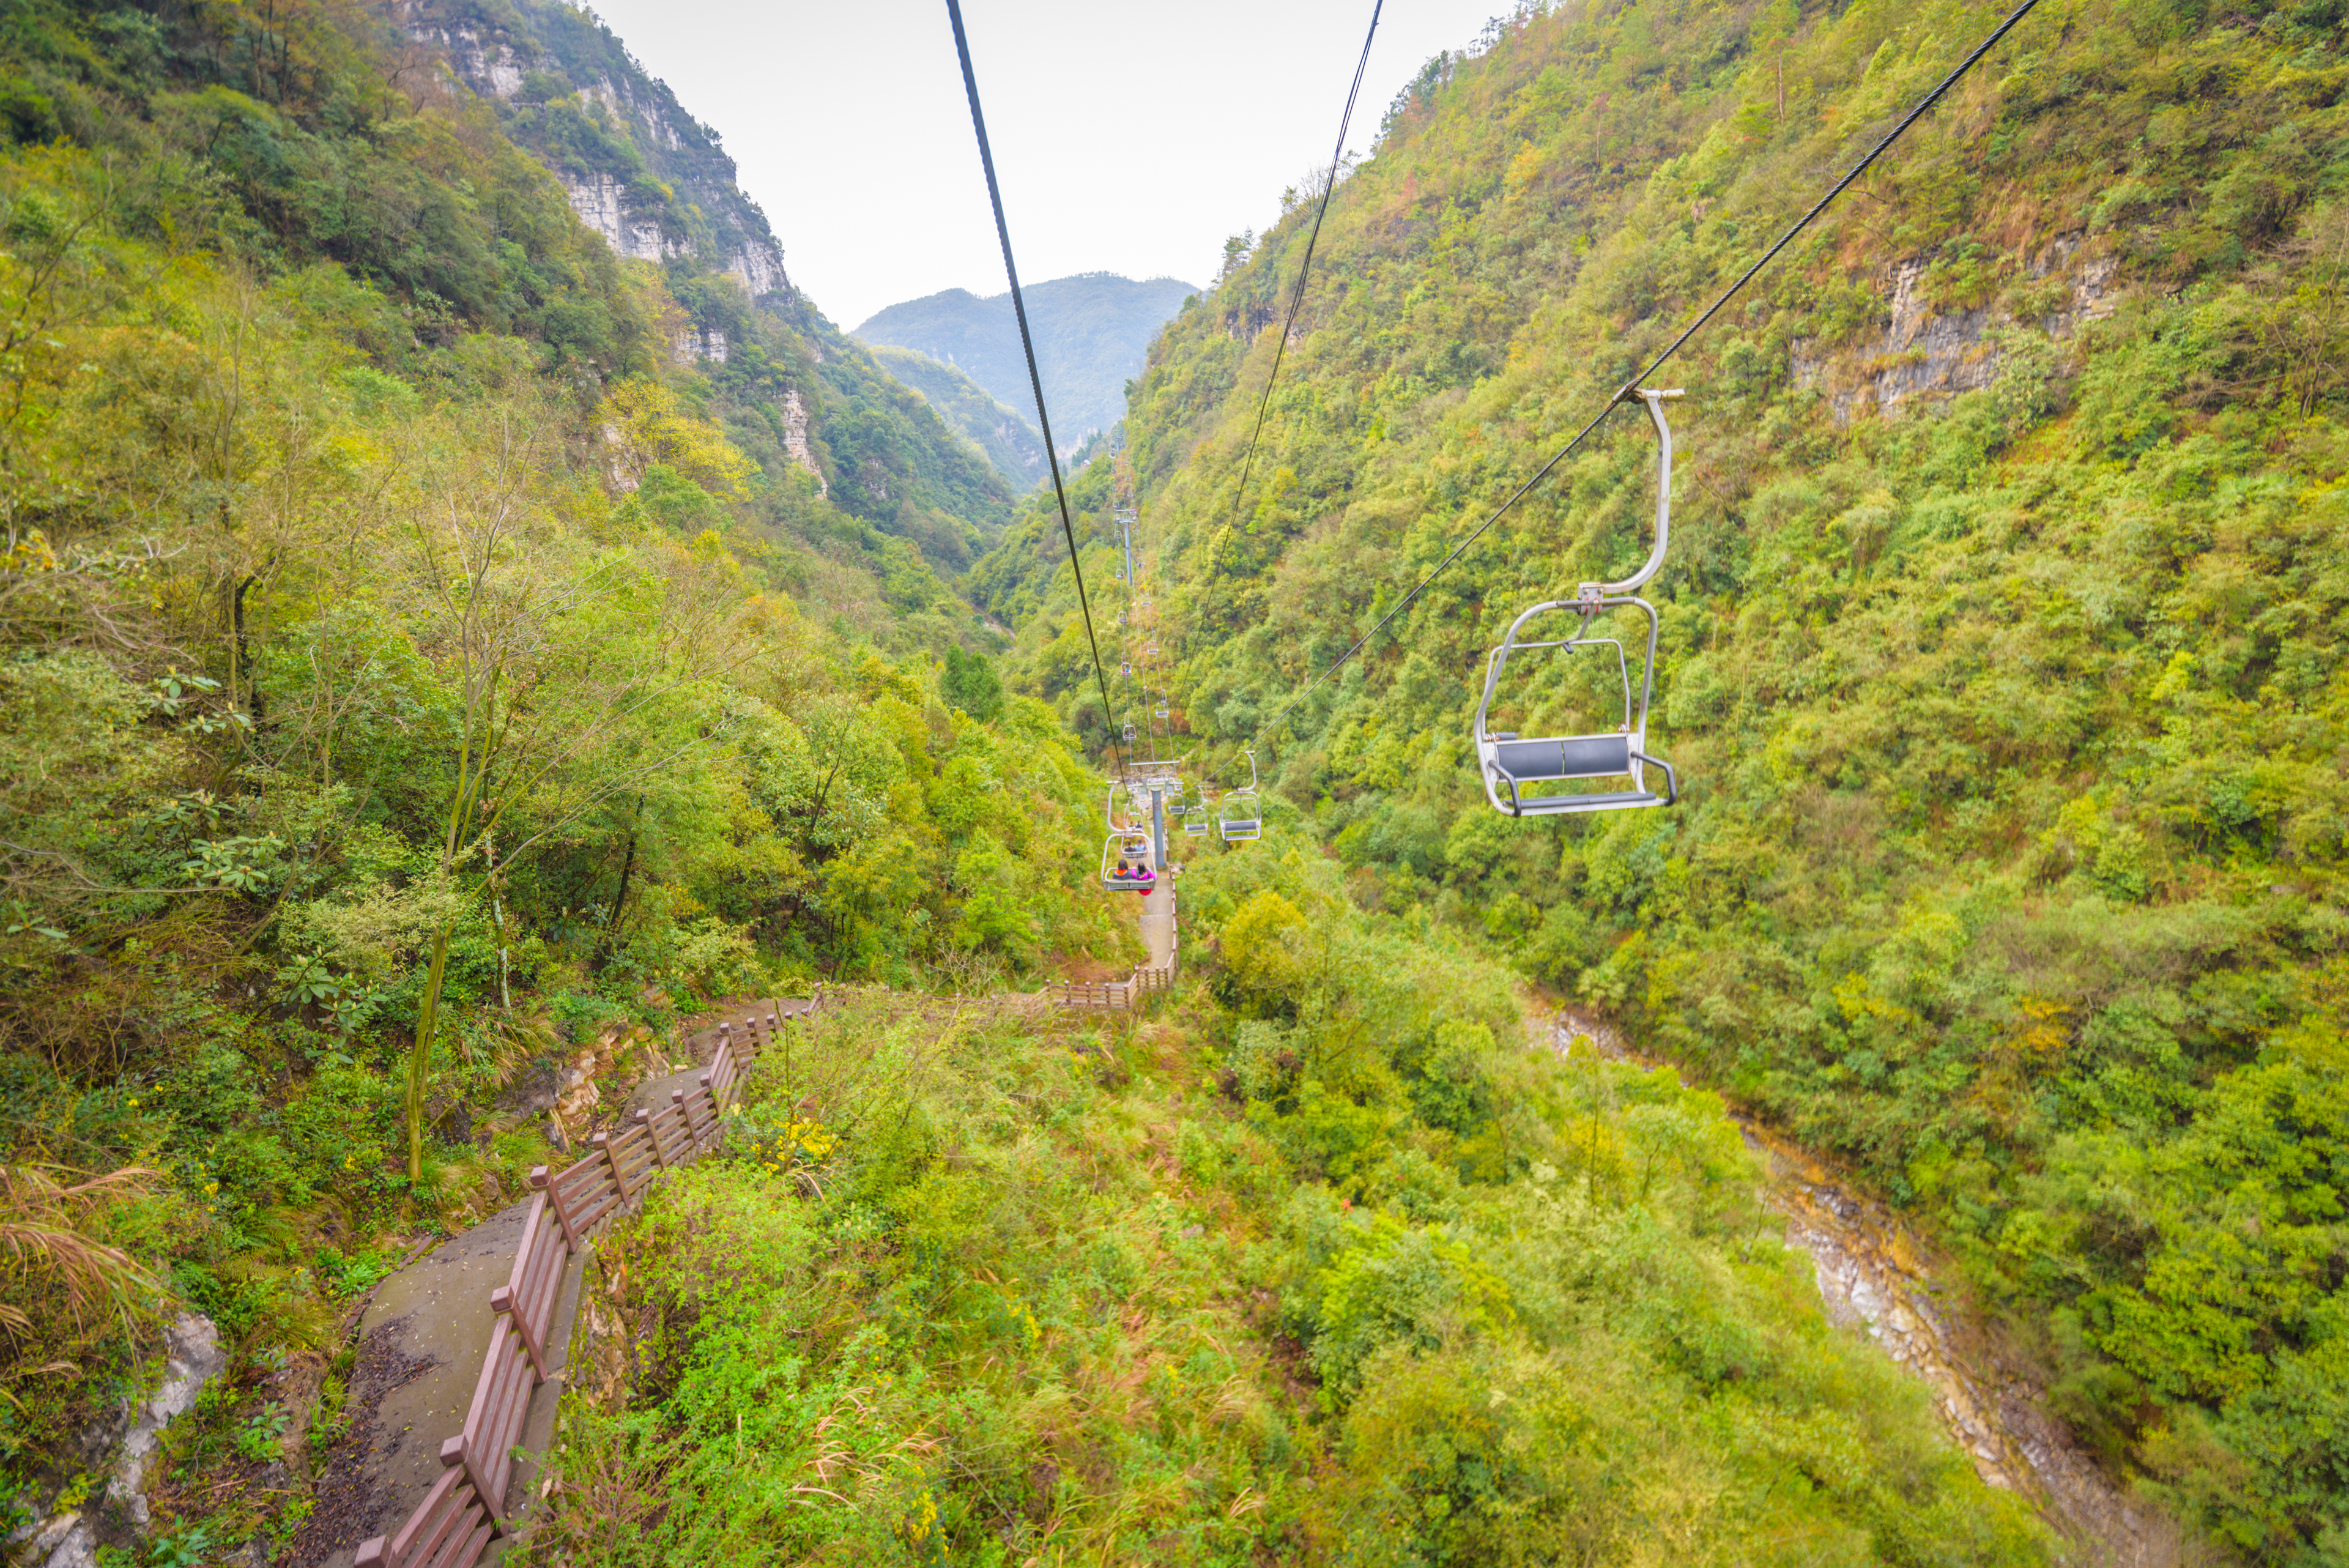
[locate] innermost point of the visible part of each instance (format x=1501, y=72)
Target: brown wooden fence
x=1131, y=993
x=466, y=1509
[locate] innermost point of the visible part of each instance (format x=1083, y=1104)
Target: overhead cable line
x=1628, y=390
x=1035, y=378
x=1296, y=297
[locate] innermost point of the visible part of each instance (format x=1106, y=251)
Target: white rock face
x=696, y=344
x=795, y=441
x=487, y=64
x=761, y=268
x=1921, y=354
x=67, y=1542
x=192, y=1357
x=598, y=202
x=493, y=67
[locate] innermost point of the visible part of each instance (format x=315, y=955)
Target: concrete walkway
x=1158, y=920
x=430, y=1324
x=421, y=1343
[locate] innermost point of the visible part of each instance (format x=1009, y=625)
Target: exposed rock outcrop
x=689, y=205
x=1923, y=355
x=601, y=205
x=192, y=1357
x=696, y=344
x=795, y=438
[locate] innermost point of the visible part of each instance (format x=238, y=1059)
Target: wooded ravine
x=471, y=619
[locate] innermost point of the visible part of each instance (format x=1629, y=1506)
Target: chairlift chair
x=1194, y=820
x=1511, y=763
x=1130, y=844
x=1238, y=815
x=1123, y=843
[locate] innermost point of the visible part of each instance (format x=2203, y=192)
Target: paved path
x=1158, y=919
x=428, y=1328
x=421, y=1341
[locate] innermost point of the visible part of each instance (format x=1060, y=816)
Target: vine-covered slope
x=2001, y=628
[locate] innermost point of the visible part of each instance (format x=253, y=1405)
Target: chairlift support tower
x=1160, y=783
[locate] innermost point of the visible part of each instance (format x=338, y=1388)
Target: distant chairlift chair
x=1238, y=815
x=1511, y=763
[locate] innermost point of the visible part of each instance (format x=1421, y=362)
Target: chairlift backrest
x=1127, y=846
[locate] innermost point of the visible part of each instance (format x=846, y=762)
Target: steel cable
x=1035, y=378
x=1305, y=270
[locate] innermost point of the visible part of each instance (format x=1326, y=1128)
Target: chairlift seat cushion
x=1243, y=829
x=1562, y=757
x=1612, y=800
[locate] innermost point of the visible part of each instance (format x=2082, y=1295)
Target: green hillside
x=2002, y=632
x=418, y=679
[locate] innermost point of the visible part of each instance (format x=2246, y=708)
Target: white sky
x=1129, y=138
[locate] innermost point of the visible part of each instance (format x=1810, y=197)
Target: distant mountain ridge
x=1092, y=334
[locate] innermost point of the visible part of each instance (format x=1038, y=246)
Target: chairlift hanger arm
x=1653, y=399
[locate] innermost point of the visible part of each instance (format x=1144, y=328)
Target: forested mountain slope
x=419, y=687
x=1007, y=437
x=2002, y=629
x=1092, y=332
x=655, y=183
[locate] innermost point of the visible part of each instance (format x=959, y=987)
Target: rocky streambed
x=1876, y=1276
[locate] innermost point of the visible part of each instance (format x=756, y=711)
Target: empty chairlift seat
x=1238, y=814
x=1516, y=767
x=1522, y=774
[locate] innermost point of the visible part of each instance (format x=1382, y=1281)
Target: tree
x=573, y=672
x=971, y=684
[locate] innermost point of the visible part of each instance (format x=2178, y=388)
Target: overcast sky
x=1129, y=138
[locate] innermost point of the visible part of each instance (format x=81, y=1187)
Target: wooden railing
x=466, y=1509
x=1130, y=992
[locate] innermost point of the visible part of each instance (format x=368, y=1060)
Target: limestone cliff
x=640, y=170
x=790, y=389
